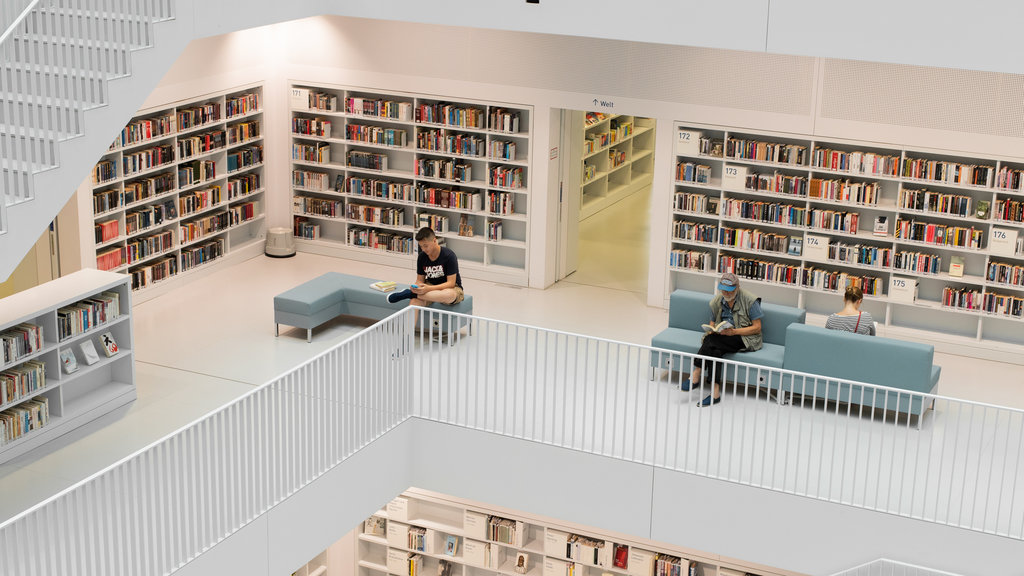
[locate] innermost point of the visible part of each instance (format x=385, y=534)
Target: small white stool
x=280, y=243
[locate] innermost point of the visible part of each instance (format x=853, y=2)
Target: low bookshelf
x=935, y=240
x=54, y=370
x=181, y=188
x=369, y=167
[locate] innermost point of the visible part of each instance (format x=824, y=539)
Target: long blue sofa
x=899, y=364
x=687, y=310
x=333, y=294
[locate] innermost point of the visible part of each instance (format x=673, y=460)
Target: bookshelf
x=180, y=187
x=370, y=167
x=617, y=158
x=417, y=531
x=39, y=400
x=796, y=218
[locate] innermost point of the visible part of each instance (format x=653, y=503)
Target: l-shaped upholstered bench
x=333, y=294
x=687, y=310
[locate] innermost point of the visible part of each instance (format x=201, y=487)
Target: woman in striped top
x=850, y=318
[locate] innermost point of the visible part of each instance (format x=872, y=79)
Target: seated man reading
x=738, y=308
x=437, y=274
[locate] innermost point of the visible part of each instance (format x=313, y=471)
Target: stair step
x=24, y=147
x=62, y=120
x=134, y=31
x=155, y=16
x=87, y=86
x=66, y=52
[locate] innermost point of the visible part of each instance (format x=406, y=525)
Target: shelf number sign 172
x=688, y=142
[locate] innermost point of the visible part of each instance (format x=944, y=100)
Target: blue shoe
x=689, y=385
x=709, y=401
x=396, y=297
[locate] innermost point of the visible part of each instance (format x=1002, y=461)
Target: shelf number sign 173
x=734, y=177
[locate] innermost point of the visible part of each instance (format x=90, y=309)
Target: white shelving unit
x=418, y=526
x=795, y=217
x=71, y=399
x=181, y=187
x=617, y=159
x=370, y=167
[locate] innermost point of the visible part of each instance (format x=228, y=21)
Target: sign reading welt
x=603, y=103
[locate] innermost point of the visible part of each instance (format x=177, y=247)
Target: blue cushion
x=311, y=296
x=776, y=319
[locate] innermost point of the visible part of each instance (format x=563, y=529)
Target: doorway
x=606, y=171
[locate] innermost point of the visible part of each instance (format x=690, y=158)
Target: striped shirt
x=848, y=323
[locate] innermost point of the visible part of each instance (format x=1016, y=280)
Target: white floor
x=212, y=340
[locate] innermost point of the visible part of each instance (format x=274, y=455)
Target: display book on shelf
x=51, y=377
x=369, y=167
x=617, y=158
x=417, y=534
x=181, y=186
x=911, y=228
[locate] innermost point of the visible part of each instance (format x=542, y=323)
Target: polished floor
x=212, y=340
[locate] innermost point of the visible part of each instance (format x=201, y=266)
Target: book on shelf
x=796, y=245
x=451, y=547
x=444, y=568
x=881, y=226
x=375, y=526
x=956, y=266
x=522, y=562
x=384, y=285
x=620, y=558
x=981, y=210
x=68, y=360
x=89, y=354
x=716, y=327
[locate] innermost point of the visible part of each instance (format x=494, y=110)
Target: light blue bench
x=687, y=310
x=888, y=362
x=333, y=294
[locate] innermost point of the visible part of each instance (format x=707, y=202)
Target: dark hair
x=425, y=233
x=853, y=294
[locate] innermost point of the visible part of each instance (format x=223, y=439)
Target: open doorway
x=606, y=170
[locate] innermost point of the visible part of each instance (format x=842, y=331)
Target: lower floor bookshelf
x=425, y=533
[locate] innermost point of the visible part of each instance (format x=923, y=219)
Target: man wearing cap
x=743, y=310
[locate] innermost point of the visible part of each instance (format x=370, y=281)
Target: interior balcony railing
x=161, y=507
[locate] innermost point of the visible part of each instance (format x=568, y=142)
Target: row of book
x=383, y=189
x=197, y=172
x=376, y=135
x=197, y=200
x=928, y=201
x=506, y=531
x=589, y=171
x=19, y=420
x=319, y=152
x=105, y=200
x=196, y=229
x=311, y=180
x=453, y=143
x=753, y=239
x=845, y=191
x=766, y=151
x=242, y=104
x=616, y=158
x=446, y=169
x=303, y=228
x=142, y=248
x=834, y=220
x=500, y=203
x=1009, y=210
x=379, y=107
x=1003, y=304
x=143, y=129
x=21, y=380
x=381, y=240
x=939, y=234
x=835, y=280
x=375, y=214
x=494, y=233
x=238, y=133
x=436, y=222
x=196, y=116
x=448, y=198
x=322, y=101
x=201, y=254
x=244, y=158
x=699, y=203
x=862, y=254
x=146, y=188
x=772, y=212
x=110, y=259
x=691, y=259
x=19, y=341
x=149, y=274
x=506, y=176
x=450, y=115
x=690, y=172
x=200, y=144
x=311, y=127
x=1004, y=273
x=948, y=172
x=106, y=230
x=778, y=183
x=857, y=162
x=87, y=314
x=919, y=262
x=317, y=206
x=146, y=159
x=367, y=160
x=146, y=217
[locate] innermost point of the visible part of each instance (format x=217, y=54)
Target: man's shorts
x=459, y=296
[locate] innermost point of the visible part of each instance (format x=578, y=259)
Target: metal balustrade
x=885, y=567
x=56, y=57
x=164, y=505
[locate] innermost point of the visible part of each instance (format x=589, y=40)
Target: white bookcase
x=180, y=187
x=370, y=167
x=795, y=218
x=416, y=528
x=36, y=391
x=617, y=158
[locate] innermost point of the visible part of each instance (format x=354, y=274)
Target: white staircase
x=58, y=59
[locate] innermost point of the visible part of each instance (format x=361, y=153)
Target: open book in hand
x=718, y=327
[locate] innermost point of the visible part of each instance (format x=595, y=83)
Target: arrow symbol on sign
x=595, y=101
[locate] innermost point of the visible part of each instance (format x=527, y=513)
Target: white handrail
x=13, y=13
x=162, y=506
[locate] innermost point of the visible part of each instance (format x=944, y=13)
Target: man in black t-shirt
x=437, y=274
